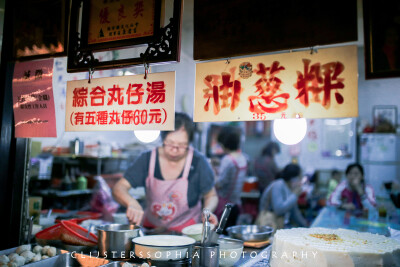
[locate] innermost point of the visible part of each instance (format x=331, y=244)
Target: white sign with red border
x=123, y=103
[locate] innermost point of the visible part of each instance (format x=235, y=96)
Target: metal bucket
x=115, y=240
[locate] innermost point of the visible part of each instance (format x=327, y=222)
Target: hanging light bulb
x=147, y=136
x=290, y=131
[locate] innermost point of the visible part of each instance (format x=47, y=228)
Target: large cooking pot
x=115, y=240
x=163, y=247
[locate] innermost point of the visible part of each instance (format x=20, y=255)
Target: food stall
x=227, y=88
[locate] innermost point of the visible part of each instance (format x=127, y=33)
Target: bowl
x=195, y=230
x=251, y=233
x=230, y=251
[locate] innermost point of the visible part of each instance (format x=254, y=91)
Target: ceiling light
x=290, y=131
x=147, y=136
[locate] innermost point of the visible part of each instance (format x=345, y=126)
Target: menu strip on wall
x=33, y=100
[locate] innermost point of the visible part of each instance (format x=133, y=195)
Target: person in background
x=232, y=172
x=353, y=193
x=336, y=176
x=281, y=196
x=178, y=181
x=265, y=167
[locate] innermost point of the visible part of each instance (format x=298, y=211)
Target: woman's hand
x=134, y=214
x=213, y=219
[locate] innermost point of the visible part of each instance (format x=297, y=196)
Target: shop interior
x=72, y=176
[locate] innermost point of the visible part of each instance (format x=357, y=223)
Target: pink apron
x=167, y=203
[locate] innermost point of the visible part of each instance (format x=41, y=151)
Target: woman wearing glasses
x=178, y=181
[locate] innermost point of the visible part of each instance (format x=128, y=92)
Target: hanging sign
x=120, y=20
x=33, y=101
x=320, y=84
x=122, y=103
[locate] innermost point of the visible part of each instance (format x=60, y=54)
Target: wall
x=371, y=92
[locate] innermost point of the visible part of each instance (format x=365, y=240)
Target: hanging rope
x=313, y=50
x=91, y=71
x=146, y=69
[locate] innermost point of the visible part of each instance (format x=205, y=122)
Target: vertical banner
x=123, y=103
x=302, y=84
x=33, y=100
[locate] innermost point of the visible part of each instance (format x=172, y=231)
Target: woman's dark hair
x=181, y=120
x=267, y=150
x=291, y=170
x=229, y=137
x=355, y=165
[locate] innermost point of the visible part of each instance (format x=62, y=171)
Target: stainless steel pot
x=115, y=240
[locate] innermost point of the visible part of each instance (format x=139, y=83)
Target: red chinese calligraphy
x=314, y=82
x=127, y=116
x=115, y=94
x=121, y=12
x=90, y=117
x=79, y=116
x=139, y=8
x=114, y=117
x=155, y=92
x=221, y=93
x=102, y=117
x=268, y=99
x=155, y=116
x=135, y=90
x=97, y=96
x=79, y=97
x=103, y=16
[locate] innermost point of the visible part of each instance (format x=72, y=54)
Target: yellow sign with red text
x=123, y=103
x=120, y=20
x=322, y=84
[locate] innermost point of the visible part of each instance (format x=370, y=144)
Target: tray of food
x=27, y=254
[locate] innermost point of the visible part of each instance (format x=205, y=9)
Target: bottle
x=82, y=182
x=66, y=183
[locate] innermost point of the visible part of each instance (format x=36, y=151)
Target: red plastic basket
x=50, y=233
x=49, y=236
x=73, y=234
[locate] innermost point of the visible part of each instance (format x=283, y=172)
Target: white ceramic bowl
x=230, y=251
x=195, y=231
x=162, y=247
